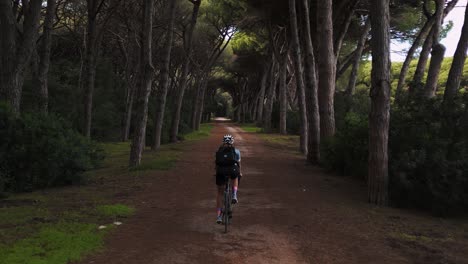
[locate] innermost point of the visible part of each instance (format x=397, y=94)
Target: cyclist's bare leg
x=235, y=183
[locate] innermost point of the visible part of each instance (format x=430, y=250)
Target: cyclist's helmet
x=228, y=139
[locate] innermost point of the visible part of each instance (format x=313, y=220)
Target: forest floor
x=288, y=212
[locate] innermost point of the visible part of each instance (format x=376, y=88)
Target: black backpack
x=226, y=156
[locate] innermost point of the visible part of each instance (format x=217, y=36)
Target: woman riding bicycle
x=227, y=165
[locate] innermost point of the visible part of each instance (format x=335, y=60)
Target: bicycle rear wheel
x=227, y=205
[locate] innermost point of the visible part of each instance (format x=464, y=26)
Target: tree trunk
x=379, y=117
x=201, y=104
x=417, y=86
x=311, y=88
x=128, y=113
x=43, y=51
x=283, y=102
x=15, y=52
x=327, y=69
x=423, y=34
x=164, y=79
x=144, y=86
x=183, y=78
x=456, y=70
x=356, y=61
x=437, y=55
x=270, y=98
x=261, y=100
x=344, y=28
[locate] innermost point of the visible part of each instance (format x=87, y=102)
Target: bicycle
x=227, y=210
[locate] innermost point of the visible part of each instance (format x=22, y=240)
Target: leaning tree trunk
x=437, y=57
x=261, y=99
x=15, y=52
x=357, y=59
x=183, y=78
x=417, y=87
x=43, y=52
x=437, y=54
x=311, y=85
x=144, y=86
x=326, y=69
x=270, y=98
x=164, y=79
x=423, y=34
x=456, y=70
x=283, y=102
x=379, y=117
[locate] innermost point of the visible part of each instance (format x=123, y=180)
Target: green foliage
x=116, y=210
x=428, y=152
x=54, y=244
x=429, y=156
x=39, y=151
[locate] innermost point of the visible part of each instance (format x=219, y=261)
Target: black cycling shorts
x=221, y=179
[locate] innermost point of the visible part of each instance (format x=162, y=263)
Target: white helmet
x=228, y=139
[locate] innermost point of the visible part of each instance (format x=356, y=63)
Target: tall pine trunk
x=183, y=78
x=261, y=99
x=356, y=61
x=327, y=69
x=144, y=86
x=43, y=51
x=379, y=117
x=164, y=79
x=283, y=100
x=437, y=54
x=311, y=86
x=456, y=70
x=270, y=98
x=15, y=52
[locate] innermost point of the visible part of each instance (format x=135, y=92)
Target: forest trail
x=288, y=212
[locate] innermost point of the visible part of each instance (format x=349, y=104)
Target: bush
x=429, y=157
x=39, y=151
x=428, y=153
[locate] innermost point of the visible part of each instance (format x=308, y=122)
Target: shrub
x=39, y=151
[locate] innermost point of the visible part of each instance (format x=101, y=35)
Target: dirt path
x=288, y=213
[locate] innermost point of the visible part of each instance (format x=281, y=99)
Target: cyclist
x=227, y=168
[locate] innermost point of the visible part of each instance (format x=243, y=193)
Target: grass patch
x=54, y=244
x=21, y=215
x=251, y=128
x=116, y=210
x=164, y=159
x=59, y=225
x=203, y=132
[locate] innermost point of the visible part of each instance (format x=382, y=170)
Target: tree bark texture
x=327, y=69
x=437, y=54
x=456, y=70
x=283, y=100
x=421, y=66
x=437, y=57
x=15, y=52
x=270, y=98
x=311, y=90
x=261, y=101
x=356, y=61
x=183, y=78
x=43, y=51
x=161, y=94
x=379, y=116
x=143, y=87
